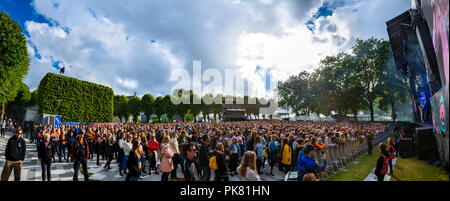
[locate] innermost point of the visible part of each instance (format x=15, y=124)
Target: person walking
x=80, y=155
x=109, y=148
x=391, y=155
x=247, y=169
x=14, y=155
x=166, y=158
x=121, y=153
x=45, y=155
x=381, y=168
x=176, y=156
x=235, y=150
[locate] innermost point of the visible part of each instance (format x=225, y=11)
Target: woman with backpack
x=221, y=173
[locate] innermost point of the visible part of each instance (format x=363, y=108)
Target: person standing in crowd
x=166, y=159
x=191, y=171
x=45, y=155
x=134, y=162
x=3, y=130
x=109, y=147
x=307, y=165
x=221, y=174
x=235, y=150
x=90, y=139
x=381, y=168
x=248, y=167
x=176, y=156
x=98, y=146
x=70, y=140
x=14, y=155
x=259, y=154
x=182, y=140
x=54, y=136
x=127, y=146
x=204, y=154
x=391, y=152
x=286, y=159
x=80, y=155
x=369, y=143
x=397, y=143
x=153, y=148
x=274, y=148
x=63, y=143
x=121, y=154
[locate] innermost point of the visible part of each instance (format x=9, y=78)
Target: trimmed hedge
x=75, y=100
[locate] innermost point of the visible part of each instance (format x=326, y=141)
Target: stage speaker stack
x=426, y=143
x=406, y=148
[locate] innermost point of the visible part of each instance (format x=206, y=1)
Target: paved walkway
x=31, y=169
x=373, y=177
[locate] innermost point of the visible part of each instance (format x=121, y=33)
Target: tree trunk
x=371, y=112
x=393, y=110
x=356, y=116
x=3, y=111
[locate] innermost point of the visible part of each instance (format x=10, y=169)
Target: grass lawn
x=412, y=169
x=358, y=171
x=406, y=169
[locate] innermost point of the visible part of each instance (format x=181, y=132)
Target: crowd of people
x=227, y=148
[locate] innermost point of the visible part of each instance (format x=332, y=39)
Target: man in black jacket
x=14, y=154
x=203, y=157
x=190, y=173
x=80, y=154
x=45, y=155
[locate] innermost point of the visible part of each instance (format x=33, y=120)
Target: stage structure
x=419, y=39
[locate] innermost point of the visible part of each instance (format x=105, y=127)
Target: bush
x=75, y=100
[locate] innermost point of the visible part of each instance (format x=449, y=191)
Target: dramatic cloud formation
x=134, y=46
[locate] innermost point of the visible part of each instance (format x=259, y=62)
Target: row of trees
x=184, y=104
x=347, y=83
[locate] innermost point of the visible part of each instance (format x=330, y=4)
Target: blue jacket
x=273, y=146
x=238, y=149
x=307, y=165
x=259, y=151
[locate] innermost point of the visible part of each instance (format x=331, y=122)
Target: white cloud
x=108, y=42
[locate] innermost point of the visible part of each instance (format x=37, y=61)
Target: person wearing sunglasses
x=14, y=154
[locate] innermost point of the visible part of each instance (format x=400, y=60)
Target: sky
x=137, y=46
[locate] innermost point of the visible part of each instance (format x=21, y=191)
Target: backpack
x=213, y=163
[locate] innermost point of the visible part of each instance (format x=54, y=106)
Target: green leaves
x=75, y=100
x=14, y=61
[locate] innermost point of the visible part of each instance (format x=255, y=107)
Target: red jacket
x=153, y=146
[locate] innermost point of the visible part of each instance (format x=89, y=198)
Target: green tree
x=121, y=107
x=14, y=60
x=135, y=108
x=393, y=89
x=16, y=108
x=159, y=107
x=147, y=105
x=371, y=57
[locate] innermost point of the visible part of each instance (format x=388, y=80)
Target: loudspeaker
x=406, y=148
x=426, y=143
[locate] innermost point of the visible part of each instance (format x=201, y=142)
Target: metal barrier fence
x=338, y=156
